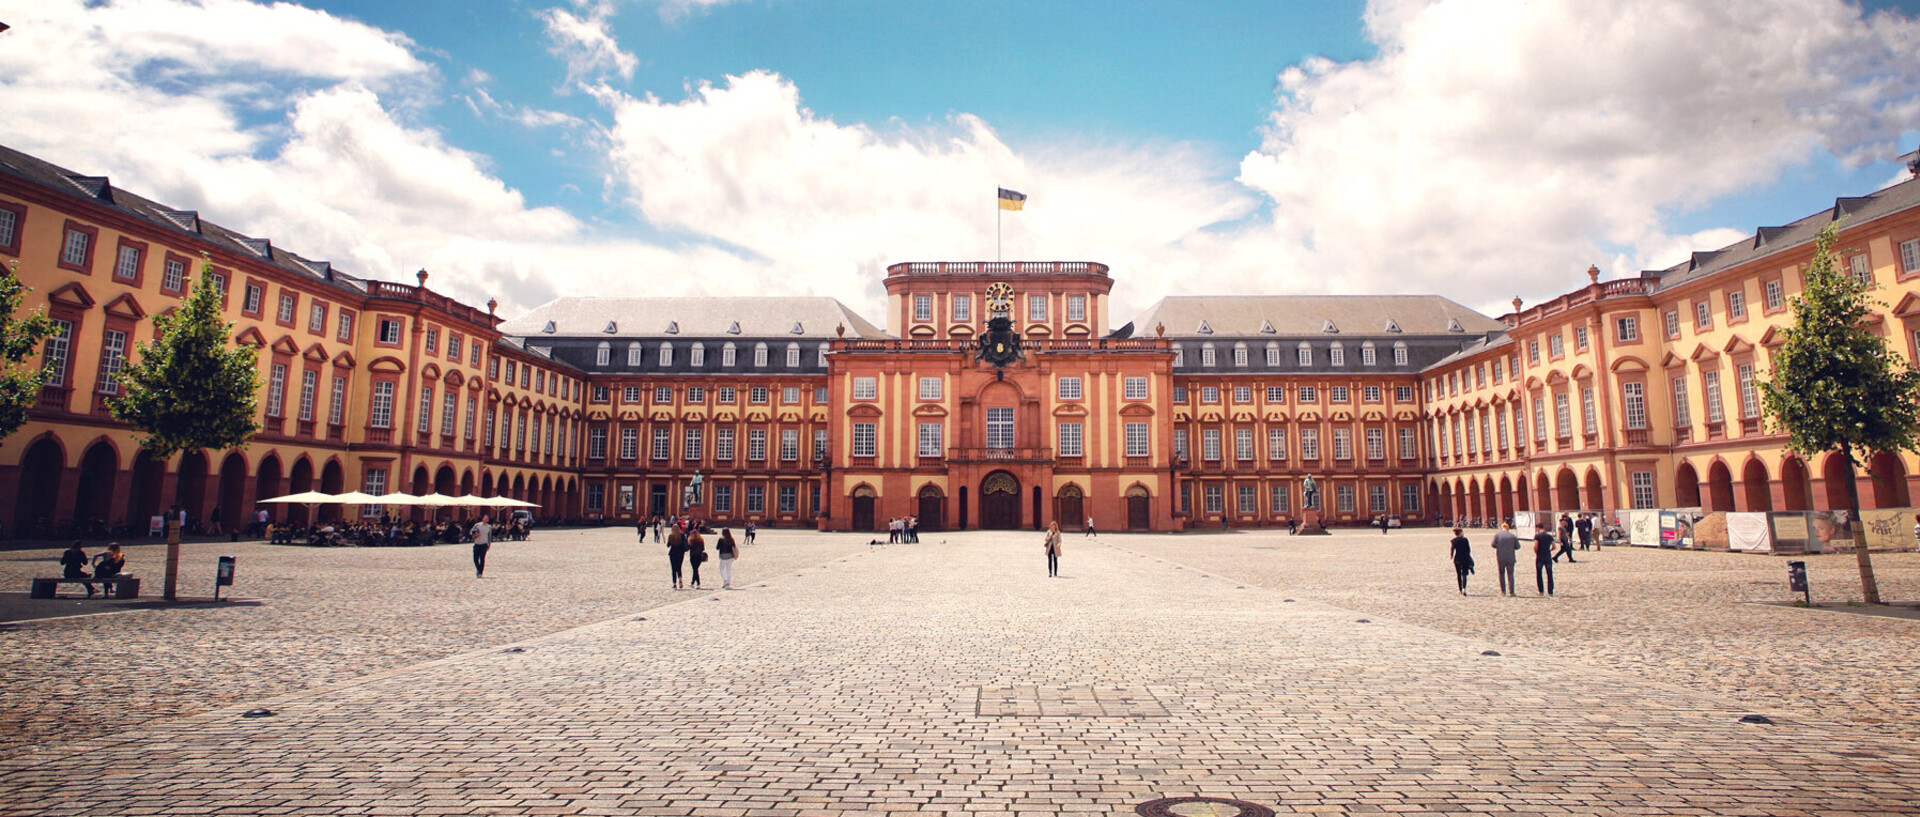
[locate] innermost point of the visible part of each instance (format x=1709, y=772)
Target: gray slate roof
x=756, y=317
x=1769, y=240
x=1300, y=316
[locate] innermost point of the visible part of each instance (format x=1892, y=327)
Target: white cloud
x=585, y=42
x=827, y=206
x=1497, y=147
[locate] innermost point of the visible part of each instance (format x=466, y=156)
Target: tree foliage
x=191, y=389
x=1836, y=385
x=20, y=340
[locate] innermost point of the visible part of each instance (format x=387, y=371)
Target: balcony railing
x=966, y=455
x=1036, y=345
x=996, y=268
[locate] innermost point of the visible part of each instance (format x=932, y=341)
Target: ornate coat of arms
x=1000, y=345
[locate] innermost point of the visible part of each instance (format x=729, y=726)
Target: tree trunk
x=173, y=556
x=1869, y=590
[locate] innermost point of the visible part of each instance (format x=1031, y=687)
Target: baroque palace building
x=997, y=395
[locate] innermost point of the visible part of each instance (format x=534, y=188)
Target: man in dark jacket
x=1543, y=561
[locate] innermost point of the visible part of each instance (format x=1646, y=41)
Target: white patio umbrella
x=308, y=498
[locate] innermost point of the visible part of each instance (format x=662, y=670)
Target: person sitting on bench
x=75, y=562
x=108, y=565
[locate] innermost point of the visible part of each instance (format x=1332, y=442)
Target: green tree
x=20, y=340
x=1837, y=386
x=191, y=389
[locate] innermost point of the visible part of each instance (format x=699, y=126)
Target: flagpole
x=996, y=228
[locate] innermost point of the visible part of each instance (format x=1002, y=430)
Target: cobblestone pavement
x=1323, y=676
x=326, y=615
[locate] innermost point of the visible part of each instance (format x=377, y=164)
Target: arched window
x=1240, y=354
x=633, y=354
x=728, y=355
x=793, y=355
x=823, y=355
x=1273, y=353
x=1367, y=355
x=1206, y=354
x=666, y=354
x=697, y=355
x=1399, y=353
x=604, y=354
x=1306, y=354
x=1336, y=355
x=760, y=355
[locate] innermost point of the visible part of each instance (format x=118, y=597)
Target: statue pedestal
x=1310, y=523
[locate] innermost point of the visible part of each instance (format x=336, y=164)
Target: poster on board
x=1643, y=528
x=1523, y=524
x=1888, y=528
x=1749, y=532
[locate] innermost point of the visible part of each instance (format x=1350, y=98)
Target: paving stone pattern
x=859, y=685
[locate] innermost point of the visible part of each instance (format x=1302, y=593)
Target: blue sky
x=526, y=149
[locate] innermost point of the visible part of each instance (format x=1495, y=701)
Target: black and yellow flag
x=1010, y=200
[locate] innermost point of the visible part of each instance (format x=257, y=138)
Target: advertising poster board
x=1669, y=529
x=1643, y=528
x=1888, y=528
x=1709, y=531
x=1523, y=524
x=1749, y=532
x=1829, y=531
x=1789, y=531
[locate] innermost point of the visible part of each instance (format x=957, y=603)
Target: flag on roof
x=1010, y=200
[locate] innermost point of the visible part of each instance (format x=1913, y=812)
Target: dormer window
x=823, y=356
x=1400, y=354
x=1273, y=353
x=1240, y=354
x=793, y=355
x=728, y=355
x=697, y=355
x=604, y=354
x=1368, y=357
x=760, y=355
x=666, y=355
x=1305, y=355
x=633, y=354
x=1336, y=355
x=1179, y=355
x=1206, y=354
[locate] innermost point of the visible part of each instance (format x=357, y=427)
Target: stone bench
x=118, y=587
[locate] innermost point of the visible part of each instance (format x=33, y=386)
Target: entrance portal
x=1000, y=502
x=863, y=508
x=1139, y=514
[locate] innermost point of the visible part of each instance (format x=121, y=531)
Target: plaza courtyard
x=1337, y=674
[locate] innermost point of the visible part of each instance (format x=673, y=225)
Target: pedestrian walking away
x=1053, y=549
x=1506, y=551
x=482, y=542
x=1584, y=527
x=1462, y=559
x=677, y=553
x=696, y=552
x=728, y=552
x=1543, y=562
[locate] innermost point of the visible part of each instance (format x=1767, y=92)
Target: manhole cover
x=1201, y=807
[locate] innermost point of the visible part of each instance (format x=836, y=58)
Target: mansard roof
x=1769, y=240
x=1303, y=316
x=814, y=318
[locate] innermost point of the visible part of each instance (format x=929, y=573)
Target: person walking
x=1090, y=531
x=728, y=552
x=74, y=563
x=1053, y=549
x=1584, y=527
x=751, y=530
x=1506, y=550
x=677, y=553
x=482, y=542
x=1543, y=562
x=696, y=552
x=1462, y=558
x=1566, y=539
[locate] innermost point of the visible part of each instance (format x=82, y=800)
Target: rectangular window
x=1179, y=394
x=757, y=395
x=126, y=266
x=1403, y=394
x=597, y=442
x=1710, y=388
x=756, y=499
x=381, y=415
x=113, y=358
x=725, y=395
x=820, y=445
x=866, y=388
x=1240, y=355
x=1376, y=444
x=1305, y=356
x=493, y=425
x=1279, y=498
x=1246, y=499
x=1214, y=496
x=1210, y=444
x=1309, y=394
x=1134, y=388
x=1562, y=415
x=1337, y=355
x=1242, y=394
x=1370, y=394
x=473, y=409
x=820, y=395
x=1642, y=490
x=1634, y=399
x=1539, y=419
x=1409, y=448
x=930, y=388
x=1243, y=444
x=77, y=250
x=374, y=483
x=1337, y=394
x=662, y=395
x=289, y=301
x=1861, y=269
x=1682, y=412
x=696, y=395
x=449, y=413
x=922, y=308
x=1590, y=419
x=1000, y=428
x=1342, y=444
x=9, y=230
x=1207, y=357
x=1409, y=498
x=390, y=334
x=1749, y=395
x=173, y=275
x=1736, y=304
x=337, y=401
x=789, y=498
x=1309, y=443
x=1070, y=440
x=1076, y=307
x=1209, y=394
x=345, y=332
x=629, y=443
x=789, y=395
x=1343, y=498
x=1627, y=329
x=251, y=298
x=1533, y=352
x=309, y=391
x=597, y=498
x=1773, y=295
x=1037, y=308
x=1556, y=345
x=1069, y=388
x=1702, y=315
x=723, y=444
x=789, y=445
x=1376, y=499
x=1399, y=355
x=317, y=323
x=757, y=444
x=1580, y=338
x=1180, y=448
x=1368, y=357
x=1276, y=394
x=1136, y=440
x=1910, y=256
x=425, y=424
x=932, y=443
x=692, y=444
x=1277, y=443
x=963, y=307
x=865, y=441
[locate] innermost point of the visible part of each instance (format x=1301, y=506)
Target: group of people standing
x=1547, y=551
x=687, y=546
x=903, y=530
